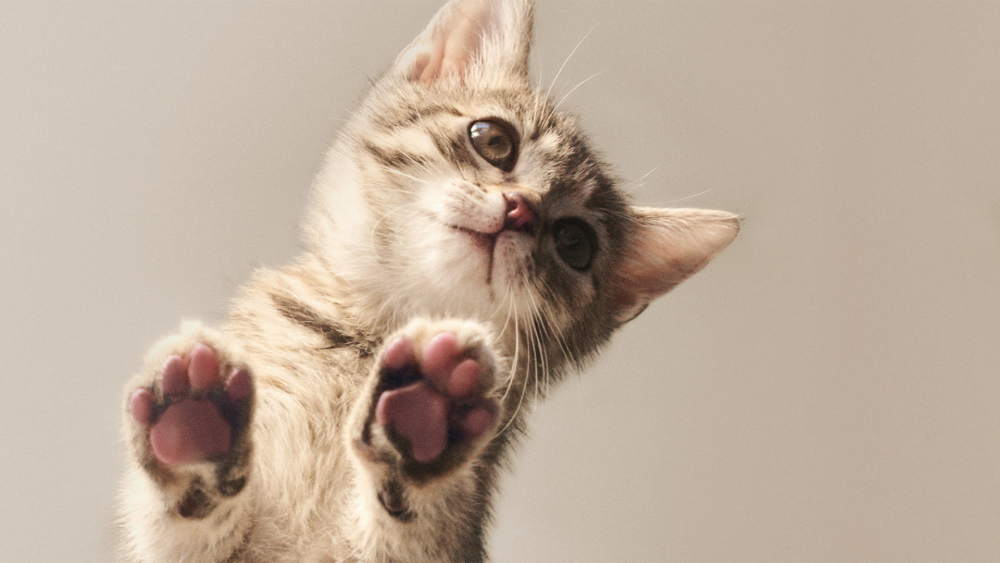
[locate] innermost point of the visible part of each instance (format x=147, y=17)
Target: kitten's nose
x=520, y=215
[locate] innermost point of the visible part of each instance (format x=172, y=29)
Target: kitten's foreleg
x=187, y=422
x=418, y=433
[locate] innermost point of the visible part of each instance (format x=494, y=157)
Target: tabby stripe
x=455, y=149
x=418, y=114
x=603, y=197
x=391, y=158
x=300, y=313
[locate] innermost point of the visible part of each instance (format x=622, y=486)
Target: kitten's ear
x=471, y=40
x=666, y=246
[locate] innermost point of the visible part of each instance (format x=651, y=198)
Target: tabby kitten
x=466, y=248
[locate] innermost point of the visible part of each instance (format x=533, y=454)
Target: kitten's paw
x=195, y=409
x=188, y=417
x=434, y=397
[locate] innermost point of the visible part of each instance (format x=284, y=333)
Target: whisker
x=542, y=355
x=640, y=181
x=506, y=321
x=550, y=334
x=517, y=352
x=692, y=196
x=524, y=386
x=404, y=175
x=533, y=356
x=575, y=88
x=566, y=61
x=559, y=338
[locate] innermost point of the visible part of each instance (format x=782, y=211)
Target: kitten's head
x=459, y=189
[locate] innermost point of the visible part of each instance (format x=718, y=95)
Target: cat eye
x=575, y=242
x=495, y=141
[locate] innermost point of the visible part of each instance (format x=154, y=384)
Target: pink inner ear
x=452, y=43
x=669, y=246
x=478, y=40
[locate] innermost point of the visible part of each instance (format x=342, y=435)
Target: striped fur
x=384, y=257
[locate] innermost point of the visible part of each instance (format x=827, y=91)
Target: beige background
x=826, y=392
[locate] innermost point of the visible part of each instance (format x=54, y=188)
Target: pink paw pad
x=445, y=405
x=188, y=423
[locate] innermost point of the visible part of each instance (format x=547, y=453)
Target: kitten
x=466, y=248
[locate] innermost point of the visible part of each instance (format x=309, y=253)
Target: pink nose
x=520, y=215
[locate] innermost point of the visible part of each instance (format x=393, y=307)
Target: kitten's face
x=481, y=199
x=489, y=202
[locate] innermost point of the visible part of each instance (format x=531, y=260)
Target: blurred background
x=826, y=391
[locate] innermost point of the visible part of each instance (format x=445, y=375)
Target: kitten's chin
x=446, y=273
x=494, y=262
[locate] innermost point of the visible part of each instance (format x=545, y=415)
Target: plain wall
x=826, y=391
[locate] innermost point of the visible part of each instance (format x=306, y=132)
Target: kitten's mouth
x=483, y=241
